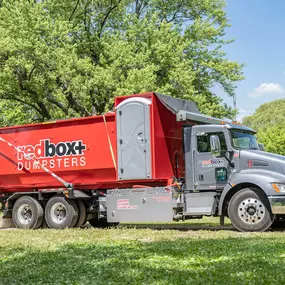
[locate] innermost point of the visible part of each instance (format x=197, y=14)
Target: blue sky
x=258, y=29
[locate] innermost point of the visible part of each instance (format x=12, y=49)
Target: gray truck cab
x=249, y=183
x=227, y=173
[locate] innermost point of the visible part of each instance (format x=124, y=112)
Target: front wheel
x=249, y=211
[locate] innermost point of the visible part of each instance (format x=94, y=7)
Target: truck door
x=133, y=139
x=210, y=172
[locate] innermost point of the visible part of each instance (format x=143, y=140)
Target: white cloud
x=265, y=89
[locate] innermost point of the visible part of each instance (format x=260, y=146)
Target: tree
x=273, y=138
x=71, y=58
x=269, y=122
x=266, y=115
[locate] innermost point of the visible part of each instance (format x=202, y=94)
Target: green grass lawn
x=142, y=256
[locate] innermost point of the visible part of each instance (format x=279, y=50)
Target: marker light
x=249, y=163
x=278, y=187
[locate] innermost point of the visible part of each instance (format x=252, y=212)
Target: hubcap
x=25, y=214
x=58, y=213
x=251, y=211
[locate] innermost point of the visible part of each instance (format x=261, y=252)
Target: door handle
x=140, y=137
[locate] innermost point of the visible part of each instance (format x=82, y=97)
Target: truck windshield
x=244, y=140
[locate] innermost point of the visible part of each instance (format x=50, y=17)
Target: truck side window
x=203, y=142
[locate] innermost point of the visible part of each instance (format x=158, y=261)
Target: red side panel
x=162, y=142
x=168, y=142
x=77, y=150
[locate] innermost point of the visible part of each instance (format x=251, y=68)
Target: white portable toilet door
x=133, y=139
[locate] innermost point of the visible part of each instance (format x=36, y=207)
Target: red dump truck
x=153, y=159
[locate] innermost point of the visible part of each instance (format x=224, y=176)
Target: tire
x=101, y=223
x=61, y=213
x=82, y=214
x=27, y=213
x=249, y=211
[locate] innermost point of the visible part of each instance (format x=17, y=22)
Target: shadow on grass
x=180, y=227
x=184, y=261
x=206, y=223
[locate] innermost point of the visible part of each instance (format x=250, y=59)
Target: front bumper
x=277, y=204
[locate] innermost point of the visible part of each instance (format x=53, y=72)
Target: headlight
x=278, y=187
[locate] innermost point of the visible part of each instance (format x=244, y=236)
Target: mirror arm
x=223, y=153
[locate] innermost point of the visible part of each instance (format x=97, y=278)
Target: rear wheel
x=27, y=213
x=82, y=214
x=249, y=211
x=61, y=213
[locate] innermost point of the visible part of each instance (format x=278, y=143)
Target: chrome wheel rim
x=25, y=214
x=251, y=211
x=58, y=213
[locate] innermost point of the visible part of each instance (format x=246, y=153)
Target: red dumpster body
x=83, y=152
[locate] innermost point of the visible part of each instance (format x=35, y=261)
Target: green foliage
x=15, y=113
x=140, y=256
x=71, y=58
x=273, y=138
x=266, y=115
x=269, y=122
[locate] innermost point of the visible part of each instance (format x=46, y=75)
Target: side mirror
x=215, y=145
x=261, y=146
